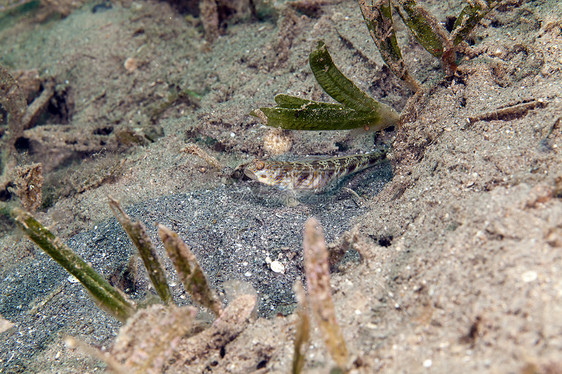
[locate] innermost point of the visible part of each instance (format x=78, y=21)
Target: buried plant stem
x=14, y=104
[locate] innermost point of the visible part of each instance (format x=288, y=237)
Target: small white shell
x=277, y=267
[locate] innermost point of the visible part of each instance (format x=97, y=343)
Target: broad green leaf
x=324, y=116
x=335, y=83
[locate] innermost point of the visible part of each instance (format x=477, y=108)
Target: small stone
x=72, y=279
x=5, y=325
x=277, y=267
x=427, y=363
x=529, y=276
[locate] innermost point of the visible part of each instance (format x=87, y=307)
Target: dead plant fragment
x=508, y=113
x=189, y=271
x=47, y=7
x=149, y=340
x=14, y=104
x=29, y=185
x=319, y=291
x=39, y=105
x=215, y=15
x=224, y=329
x=159, y=338
x=5, y=325
x=194, y=149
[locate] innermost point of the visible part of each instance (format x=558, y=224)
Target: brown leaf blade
x=319, y=291
x=189, y=271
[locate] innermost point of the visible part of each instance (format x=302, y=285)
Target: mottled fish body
x=311, y=175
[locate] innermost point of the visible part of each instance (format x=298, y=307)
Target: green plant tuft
x=357, y=109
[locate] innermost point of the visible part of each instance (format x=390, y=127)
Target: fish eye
x=260, y=165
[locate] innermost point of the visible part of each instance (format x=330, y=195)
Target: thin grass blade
x=302, y=335
x=469, y=17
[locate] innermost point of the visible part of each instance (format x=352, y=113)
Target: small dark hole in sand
x=449, y=22
x=5, y=195
x=385, y=241
x=103, y=130
x=342, y=147
x=22, y=144
x=59, y=109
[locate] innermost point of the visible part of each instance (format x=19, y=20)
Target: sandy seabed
x=460, y=234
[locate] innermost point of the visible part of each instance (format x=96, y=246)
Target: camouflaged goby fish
x=312, y=175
